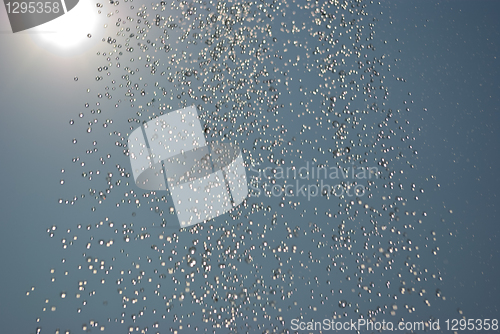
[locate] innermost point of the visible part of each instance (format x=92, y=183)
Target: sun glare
x=72, y=30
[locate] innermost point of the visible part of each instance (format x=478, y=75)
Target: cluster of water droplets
x=294, y=83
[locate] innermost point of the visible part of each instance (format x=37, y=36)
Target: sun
x=70, y=32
